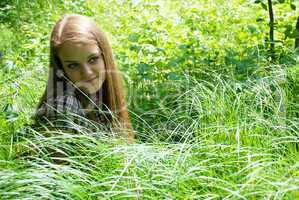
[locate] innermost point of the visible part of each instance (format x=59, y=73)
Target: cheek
x=101, y=71
x=74, y=76
x=103, y=74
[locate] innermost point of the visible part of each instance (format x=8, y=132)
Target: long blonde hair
x=78, y=28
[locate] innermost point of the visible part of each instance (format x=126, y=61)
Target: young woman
x=83, y=81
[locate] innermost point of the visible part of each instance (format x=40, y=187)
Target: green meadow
x=214, y=109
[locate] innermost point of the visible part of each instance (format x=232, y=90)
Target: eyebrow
x=91, y=55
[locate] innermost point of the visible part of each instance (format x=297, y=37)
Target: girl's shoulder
x=60, y=105
x=62, y=112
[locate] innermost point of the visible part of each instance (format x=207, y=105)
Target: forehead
x=77, y=50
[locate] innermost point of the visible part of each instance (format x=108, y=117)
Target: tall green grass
x=220, y=140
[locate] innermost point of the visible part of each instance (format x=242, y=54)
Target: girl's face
x=84, y=65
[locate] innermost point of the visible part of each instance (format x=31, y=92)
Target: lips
x=90, y=80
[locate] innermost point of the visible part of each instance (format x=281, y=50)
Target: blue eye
x=73, y=66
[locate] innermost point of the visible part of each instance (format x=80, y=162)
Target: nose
x=86, y=71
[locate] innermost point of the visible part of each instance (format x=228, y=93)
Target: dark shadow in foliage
x=244, y=65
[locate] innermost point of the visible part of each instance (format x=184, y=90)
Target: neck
x=88, y=101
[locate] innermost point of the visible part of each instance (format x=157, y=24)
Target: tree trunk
x=297, y=33
x=271, y=32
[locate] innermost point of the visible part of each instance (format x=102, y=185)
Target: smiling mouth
x=90, y=80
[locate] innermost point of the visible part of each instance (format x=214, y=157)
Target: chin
x=91, y=89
